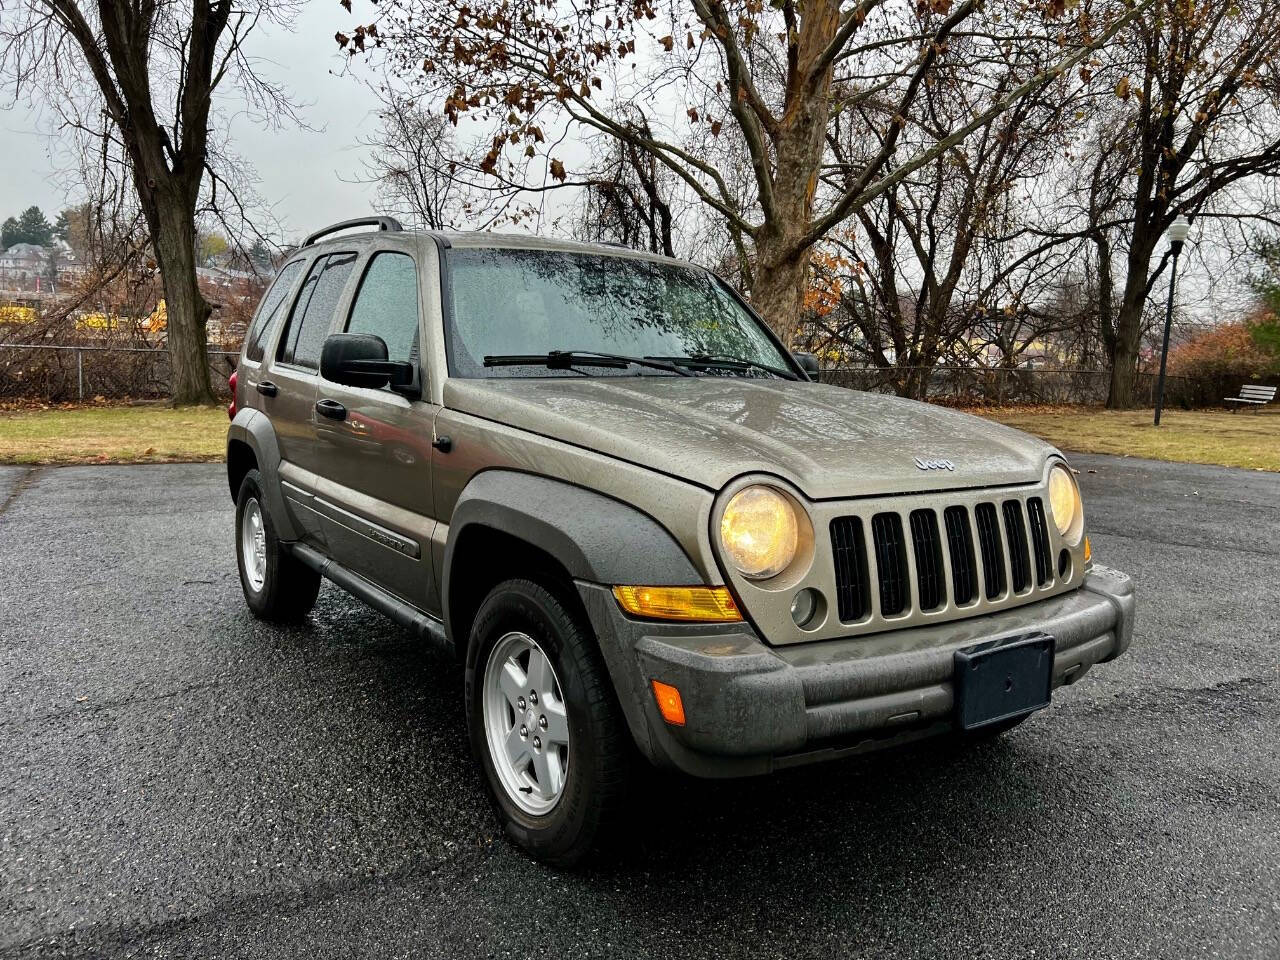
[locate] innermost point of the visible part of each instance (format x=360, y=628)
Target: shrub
x=1229, y=350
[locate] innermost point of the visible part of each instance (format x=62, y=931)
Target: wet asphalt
x=178, y=780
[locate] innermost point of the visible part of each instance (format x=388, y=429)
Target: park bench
x=1253, y=394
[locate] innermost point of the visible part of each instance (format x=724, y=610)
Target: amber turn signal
x=669, y=703
x=1088, y=550
x=708, y=604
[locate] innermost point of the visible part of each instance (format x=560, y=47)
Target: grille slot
x=931, y=581
x=984, y=514
x=960, y=545
x=891, y=563
x=853, y=586
x=1016, y=530
x=1040, y=541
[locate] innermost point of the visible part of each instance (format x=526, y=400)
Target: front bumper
x=752, y=708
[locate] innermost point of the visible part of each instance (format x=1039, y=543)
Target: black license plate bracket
x=1003, y=679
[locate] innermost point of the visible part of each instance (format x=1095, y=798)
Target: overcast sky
x=309, y=175
x=306, y=175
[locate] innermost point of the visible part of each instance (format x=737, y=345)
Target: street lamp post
x=1178, y=231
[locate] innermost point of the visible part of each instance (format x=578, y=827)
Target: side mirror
x=360, y=360
x=808, y=363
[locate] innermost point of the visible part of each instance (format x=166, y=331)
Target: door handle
x=331, y=409
x=268, y=389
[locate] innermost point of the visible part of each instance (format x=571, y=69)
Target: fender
x=254, y=429
x=595, y=538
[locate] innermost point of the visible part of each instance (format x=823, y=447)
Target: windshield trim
x=445, y=251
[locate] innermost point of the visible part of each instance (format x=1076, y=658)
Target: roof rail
x=390, y=224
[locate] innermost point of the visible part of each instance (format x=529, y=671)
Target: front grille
x=960, y=544
x=853, y=585
x=891, y=563
x=928, y=549
x=984, y=515
x=1040, y=541
x=991, y=549
x=1016, y=531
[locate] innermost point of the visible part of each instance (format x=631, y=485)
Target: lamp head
x=1179, y=230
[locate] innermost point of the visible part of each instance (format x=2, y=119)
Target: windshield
x=512, y=301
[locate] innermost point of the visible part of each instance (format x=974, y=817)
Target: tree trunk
x=782, y=264
x=1128, y=328
x=186, y=308
x=777, y=290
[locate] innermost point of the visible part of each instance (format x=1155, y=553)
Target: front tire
x=544, y=723
x=277, y=587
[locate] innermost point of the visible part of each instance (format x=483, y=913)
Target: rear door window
x=312, y=313
x=269, y=310
x=387, y=305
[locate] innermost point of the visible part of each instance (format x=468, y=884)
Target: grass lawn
x=156, y=434
x=141, y=434
x=1201, y=436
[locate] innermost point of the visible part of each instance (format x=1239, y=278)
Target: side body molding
x=255, y=430
x=595, y=538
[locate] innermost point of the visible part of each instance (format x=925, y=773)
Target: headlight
x=1065, y=505
x=759, y=532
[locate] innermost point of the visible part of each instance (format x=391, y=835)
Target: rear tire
x=277, y=587
x=545, y=726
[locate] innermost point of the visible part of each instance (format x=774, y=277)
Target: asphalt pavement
x=178, y=780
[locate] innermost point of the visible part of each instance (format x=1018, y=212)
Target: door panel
x=375, y=495
x=292, y=413
x=375, y=499
x=292, y=371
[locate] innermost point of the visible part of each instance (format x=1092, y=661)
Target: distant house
x=29, y=266
x=22, y=264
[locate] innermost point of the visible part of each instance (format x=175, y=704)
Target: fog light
x=669, y=703
x=804, y=606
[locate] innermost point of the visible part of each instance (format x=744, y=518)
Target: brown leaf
x=667, y=42
x=557, y=170
x=715, y=128
x=693, y=114
x=1122, y=88
x=342, y=38
x=346, y=4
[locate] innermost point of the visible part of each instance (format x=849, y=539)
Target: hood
x=829, y=441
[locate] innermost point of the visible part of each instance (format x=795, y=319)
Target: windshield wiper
x=720, y=361
x=567, y=359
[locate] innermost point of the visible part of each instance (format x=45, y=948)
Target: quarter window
x=387, y=305
x=269, y=310
x=313, y=310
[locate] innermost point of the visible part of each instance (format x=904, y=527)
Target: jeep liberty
x=596, y=478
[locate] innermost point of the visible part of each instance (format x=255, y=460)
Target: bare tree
x=778, y=74
x=947, y=262
x=412, y=164
x=154, y=68
x=1192, y=113
x=628, y=199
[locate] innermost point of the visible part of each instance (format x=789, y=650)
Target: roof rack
x=390, y=224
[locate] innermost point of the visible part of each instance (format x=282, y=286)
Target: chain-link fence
x=60, y=373
x=984, y=386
